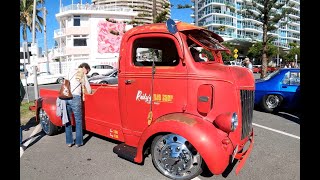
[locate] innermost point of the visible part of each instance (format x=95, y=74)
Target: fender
x=213, y=144
x=48, y=104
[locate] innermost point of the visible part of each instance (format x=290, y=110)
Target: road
x=275, y=155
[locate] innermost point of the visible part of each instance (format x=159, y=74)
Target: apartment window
x=80, y=40
x=76, y=21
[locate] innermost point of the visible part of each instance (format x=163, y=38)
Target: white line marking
x=281, y=132
x=196, y=178
x=26, y=144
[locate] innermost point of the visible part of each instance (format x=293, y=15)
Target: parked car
x=44, y=78
x=100, y=69
x=279, y=90
x=256, y=68
x=111, y=78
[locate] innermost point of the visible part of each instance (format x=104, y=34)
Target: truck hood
x=240, y=76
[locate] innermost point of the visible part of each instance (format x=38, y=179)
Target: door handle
x=128, y=81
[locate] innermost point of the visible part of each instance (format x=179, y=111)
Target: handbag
x=65, y=92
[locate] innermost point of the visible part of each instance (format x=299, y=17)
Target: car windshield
x=201, y=43
x=271, y=75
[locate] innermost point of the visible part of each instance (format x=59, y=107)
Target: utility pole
x=34, y=49
x=45, y=36
x=154, y=10
x=25, y=49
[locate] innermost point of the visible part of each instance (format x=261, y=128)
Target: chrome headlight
x=234, y=121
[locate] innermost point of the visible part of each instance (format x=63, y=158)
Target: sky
x=52, y=7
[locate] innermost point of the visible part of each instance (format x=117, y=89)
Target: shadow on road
x=31, y=123
x=290, y=115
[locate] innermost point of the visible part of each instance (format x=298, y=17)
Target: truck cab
x=188, y=112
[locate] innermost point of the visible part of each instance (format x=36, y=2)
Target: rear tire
x=271, y=103
x=174, y=157
x=60, y=80
x=94, y=74
x=46, y=125
x=103, y=82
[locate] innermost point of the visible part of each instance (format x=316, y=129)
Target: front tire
x=60, y=80
x=47, y=126
x=271, y=103
x=174, y=157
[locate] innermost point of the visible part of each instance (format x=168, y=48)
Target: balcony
x=220, y=23
x=252, y=27
x=59, y=33
x=91, y=7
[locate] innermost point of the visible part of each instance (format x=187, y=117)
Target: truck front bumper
x=243, y=155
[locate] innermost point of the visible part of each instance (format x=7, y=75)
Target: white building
x=90, y=33
x=144, y=8
x=222, y=17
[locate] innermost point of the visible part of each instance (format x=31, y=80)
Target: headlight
x=234, y=121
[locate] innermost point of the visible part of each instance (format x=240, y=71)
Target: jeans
x=74, y=105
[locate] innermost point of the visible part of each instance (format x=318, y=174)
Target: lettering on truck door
x=169, y=83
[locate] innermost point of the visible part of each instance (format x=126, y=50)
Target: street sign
x=235, y=56
x=235, y=51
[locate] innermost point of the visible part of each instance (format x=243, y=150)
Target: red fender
x=48, y=104
x=213, y=144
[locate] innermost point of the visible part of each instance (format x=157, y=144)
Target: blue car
x=279, y=90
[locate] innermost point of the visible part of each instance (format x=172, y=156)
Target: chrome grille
x=247, y=104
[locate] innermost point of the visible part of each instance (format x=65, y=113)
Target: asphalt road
x=275, y=155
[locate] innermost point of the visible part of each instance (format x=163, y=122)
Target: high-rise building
x=143, y=7
x=223, y=18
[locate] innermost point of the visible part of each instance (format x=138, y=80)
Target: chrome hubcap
x=44, y=121
x=272, y=101
x=176, y=157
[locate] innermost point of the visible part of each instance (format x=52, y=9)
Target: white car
x=44, y=78
x=100, y=69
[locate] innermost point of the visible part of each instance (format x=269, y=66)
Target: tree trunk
x=264, y=52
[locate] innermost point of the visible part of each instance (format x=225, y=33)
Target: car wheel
x=46, y=125
x=103, y=82
x=271, y=103
x=60, y=80
x=94, y=74
x=174, y=157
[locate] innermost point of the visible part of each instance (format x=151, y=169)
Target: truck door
x=169, y=83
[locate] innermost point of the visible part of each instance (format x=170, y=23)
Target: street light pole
x=34, y=50
x=45, y=36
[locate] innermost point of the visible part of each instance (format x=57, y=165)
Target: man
x=248, y=64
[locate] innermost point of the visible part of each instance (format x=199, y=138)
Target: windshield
x=203, y=47
x=271, y=75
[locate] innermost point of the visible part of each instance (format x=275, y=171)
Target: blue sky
x=53, y=8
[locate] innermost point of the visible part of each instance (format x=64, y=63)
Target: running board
x=126, y=152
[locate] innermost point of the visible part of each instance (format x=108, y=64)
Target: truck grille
x=247, y=104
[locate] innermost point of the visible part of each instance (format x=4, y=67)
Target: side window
x=285, y=79
x=295, y=78
x=291, y=78
x=160, y=50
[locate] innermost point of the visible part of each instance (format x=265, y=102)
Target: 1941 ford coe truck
x=187, y=113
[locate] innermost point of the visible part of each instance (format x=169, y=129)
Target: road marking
x=26, y=144
x=274, y=130
x=196, y=178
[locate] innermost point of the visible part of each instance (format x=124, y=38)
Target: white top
x=77, y=77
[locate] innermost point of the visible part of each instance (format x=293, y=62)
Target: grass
x=25, y=114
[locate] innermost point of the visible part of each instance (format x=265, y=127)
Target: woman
x=78, y=82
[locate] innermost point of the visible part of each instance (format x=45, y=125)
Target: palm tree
x=269, y=15
x=26, y=14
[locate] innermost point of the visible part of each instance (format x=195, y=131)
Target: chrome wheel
x=272, y=101
x=175, y=157
x=46, y=124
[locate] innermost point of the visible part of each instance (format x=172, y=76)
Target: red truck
x=187, y=114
